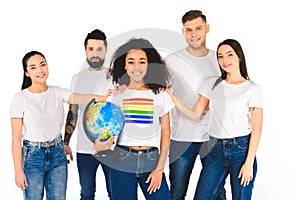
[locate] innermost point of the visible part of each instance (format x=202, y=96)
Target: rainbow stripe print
x=138, y=110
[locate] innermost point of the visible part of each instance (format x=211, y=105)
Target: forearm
x=164, y=142
x=77, y=98
x=71, y=122
x=253, y=146
x=16, y=125
x=17, y=155
x=256, y=122
x=191, y=113
x=162, y=158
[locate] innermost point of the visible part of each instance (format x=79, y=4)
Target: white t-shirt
x=229, y=105
x=188, y=74
x=142, y=110
x=88, y=82
x=42, y=113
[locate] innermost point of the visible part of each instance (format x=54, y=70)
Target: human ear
x=207, y=28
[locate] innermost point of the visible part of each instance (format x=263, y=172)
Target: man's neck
x=96, y=69
x=198, y=52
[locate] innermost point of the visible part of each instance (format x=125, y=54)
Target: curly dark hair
x=157, y=76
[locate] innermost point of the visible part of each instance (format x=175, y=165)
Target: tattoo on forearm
x=70, y=122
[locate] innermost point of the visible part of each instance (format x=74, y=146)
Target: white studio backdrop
x=266, y=30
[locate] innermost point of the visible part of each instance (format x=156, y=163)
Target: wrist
x=18, y=170
x=249, y=162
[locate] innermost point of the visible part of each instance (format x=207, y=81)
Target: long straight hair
x=26, y=79
x=235, y=45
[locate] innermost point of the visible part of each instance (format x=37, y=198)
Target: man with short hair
x=92, y=80
x=190, y=67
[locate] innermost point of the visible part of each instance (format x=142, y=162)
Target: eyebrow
x=134, y=59
x=34, y=64
x=226, y=52
x=200, y=26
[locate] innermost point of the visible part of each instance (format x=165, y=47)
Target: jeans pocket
x=31, y=150
x=153, y=155
x=121, y=154
x=24, y=155
x=242, y=143
x=60, y=146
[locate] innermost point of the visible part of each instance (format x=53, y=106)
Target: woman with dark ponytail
x=235, y=127
x=26, y=79
x=40, y=163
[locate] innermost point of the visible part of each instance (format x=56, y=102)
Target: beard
x=95, y=64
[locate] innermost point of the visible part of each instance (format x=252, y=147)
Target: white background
x=266, y=29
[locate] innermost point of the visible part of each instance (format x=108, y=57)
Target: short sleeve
x=206, y=85
x=65, y=94
x=256, y=99
x=167, y=103
x=73, y=81
x=16, y=107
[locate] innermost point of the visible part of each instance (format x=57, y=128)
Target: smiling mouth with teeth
x=137, y=73
x=41, y=75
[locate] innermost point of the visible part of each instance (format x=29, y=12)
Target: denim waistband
x=46, y=144
x=230, y=140
x=125, y=148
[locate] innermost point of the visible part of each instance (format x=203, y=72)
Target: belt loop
x=39, y=145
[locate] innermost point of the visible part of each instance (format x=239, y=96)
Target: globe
x=103, y=119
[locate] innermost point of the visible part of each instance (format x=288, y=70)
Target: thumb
x=111, y=139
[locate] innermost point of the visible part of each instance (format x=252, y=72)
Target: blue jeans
x=226, y=157
x=45, y=167
x=132, y=168
x=182, y=157
x=87, y=166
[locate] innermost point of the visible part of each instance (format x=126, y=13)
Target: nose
x=39, y=69
x=194, y=32
x=223, y=60
x=94, y=53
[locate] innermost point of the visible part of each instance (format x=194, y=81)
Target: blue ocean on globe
x=104, y=119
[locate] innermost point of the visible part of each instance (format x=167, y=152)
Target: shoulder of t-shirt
x=212, y=53
x=176, y=54
x=253, y=84
x=18, y=95
x=56, y=88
